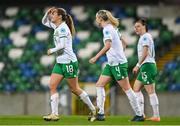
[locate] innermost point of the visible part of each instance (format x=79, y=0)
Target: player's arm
x=141, y=60
x=46, y=19
x=124, y=42
x=59, y=46
x=106, y=47
x=144, y=55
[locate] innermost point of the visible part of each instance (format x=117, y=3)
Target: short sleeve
x=62, y=32
x=145, y=41
x=106, y=35
x=119, y=34
x=51, y=25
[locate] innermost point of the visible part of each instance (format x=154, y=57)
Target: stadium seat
x=1, y=66
x=7, y=23
x=47, y=60
x=143, y=11
x=83, y=35
x=11, y=11
x=129, y=52
x=45, y=81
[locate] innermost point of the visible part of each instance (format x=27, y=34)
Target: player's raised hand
x=49, y=11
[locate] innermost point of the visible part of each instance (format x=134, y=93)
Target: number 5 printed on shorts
x=144, y=76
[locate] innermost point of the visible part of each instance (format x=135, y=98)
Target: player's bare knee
x=136, y=90
x=126, y=88
x=99, y=85
x=52, y=88
x=150, y=92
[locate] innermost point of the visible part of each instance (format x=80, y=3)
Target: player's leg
x=71, y=74
x=124, y=83
x=74, y=86
x=147, y=74
x=103, y=80
x=137, y=89
x=55, y=80
x=121, y=75
x=154, y=102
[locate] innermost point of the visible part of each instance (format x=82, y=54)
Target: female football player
x=117, y=64
x=146, y=68
x=66, y=62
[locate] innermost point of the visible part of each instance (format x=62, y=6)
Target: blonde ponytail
x=107, y=16
x=114, y=21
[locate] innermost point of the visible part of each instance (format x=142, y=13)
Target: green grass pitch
x=82, y=121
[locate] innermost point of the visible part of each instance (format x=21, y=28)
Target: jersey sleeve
x=47, y=22
x=119, y=34
x=60, y=39
x=106, y=34
x=62, y=36
x=145, y=41
x=63, y=32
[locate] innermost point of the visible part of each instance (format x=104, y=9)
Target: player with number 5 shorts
x=146, y=69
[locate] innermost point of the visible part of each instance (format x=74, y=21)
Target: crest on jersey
x=106, y=32
x=63, y=30
x=144, y=39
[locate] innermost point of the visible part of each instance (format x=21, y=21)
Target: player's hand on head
x=50, y=10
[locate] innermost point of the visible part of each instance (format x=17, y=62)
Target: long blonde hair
x=107, y=16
